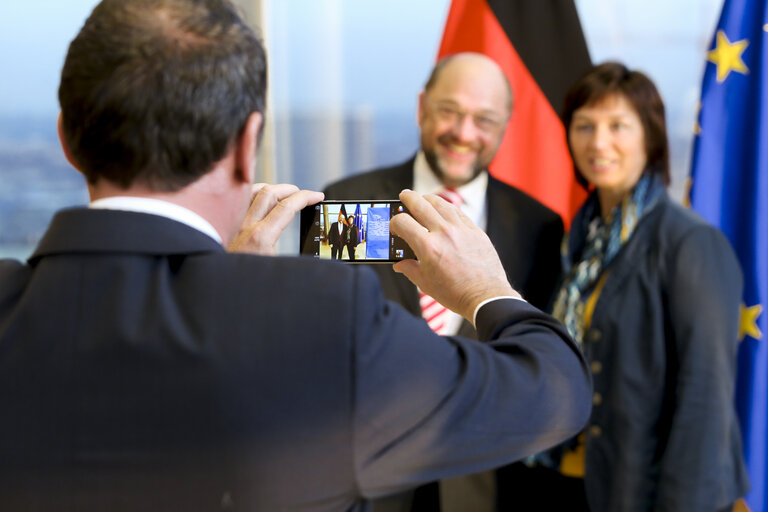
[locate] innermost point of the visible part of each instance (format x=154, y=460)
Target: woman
x=652, y=294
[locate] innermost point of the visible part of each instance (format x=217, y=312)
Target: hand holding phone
x=457, y=263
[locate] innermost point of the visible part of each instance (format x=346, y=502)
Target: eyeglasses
x=449, y=113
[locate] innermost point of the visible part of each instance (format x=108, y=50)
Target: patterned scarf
x=592, y=244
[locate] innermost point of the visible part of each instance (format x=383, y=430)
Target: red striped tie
x=432, y=311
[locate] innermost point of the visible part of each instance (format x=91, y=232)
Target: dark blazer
x=336, y=238
x=663, y=435
x=144, y=368
x=525, y=233
x=353, y=237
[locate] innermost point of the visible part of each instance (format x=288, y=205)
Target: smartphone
x=352, y=231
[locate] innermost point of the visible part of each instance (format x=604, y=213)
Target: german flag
x=540, y=46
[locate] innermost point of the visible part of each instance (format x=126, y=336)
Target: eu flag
x=359, y=223
x=730, y=189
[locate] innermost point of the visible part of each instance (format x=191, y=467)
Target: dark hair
x=155, y=91
x=613, y=78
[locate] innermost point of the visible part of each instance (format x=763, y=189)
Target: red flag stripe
x=533, y=155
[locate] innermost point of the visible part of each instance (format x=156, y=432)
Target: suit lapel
x=503, y=218
x=504, y=230
x=390, y=184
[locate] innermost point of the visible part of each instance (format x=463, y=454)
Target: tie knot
x=451, y=195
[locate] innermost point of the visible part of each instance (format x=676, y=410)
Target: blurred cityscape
x=37, y=180
x=311, y=151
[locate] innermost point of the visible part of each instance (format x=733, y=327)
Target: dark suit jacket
x=353, y=237
x=144, y=368
x=665, y=436
x=526, y=235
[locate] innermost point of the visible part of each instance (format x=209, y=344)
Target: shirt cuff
x=486, y=301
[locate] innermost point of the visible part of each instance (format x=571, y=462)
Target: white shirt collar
x=157, y=207
x=473, y=193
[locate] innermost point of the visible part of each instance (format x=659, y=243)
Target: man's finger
x=406, y=227
x=410, y=269
x=421, y=209
x=284, y=211
x=255, y=189
x=267, y=197
x=446, y=210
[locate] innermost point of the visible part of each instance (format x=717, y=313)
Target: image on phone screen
x=352, y=232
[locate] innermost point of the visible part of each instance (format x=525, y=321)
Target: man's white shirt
x=157, y=207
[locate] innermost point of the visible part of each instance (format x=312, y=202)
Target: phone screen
x=352, y=232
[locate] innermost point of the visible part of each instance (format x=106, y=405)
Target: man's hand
x=457, y=263
x=272, y=209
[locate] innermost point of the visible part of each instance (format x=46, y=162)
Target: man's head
x=155, y=92
x=351, y=220
x=463, y=112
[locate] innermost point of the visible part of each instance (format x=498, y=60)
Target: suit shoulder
x=356, y=181
x=303, y=273
x=369, y=184
x=677, y=231
x=14, y=276
x=675, y=221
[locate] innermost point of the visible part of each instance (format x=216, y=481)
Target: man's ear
x=247, y=147
x=64, y=145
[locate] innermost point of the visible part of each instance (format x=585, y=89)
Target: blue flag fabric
x=377, y=230
x=730, y=189
x=359, y=223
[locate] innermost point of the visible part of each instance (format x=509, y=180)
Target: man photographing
x=144, y=367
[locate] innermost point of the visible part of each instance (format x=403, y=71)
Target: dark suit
x=144, y=368
x=352, y=240
x=337, y=239
x=526, y=234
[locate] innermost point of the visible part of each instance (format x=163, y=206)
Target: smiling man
x=463, y=111
x=462, y=115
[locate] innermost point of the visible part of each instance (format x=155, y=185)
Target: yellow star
x=727, y=56
x=748, y=321
x=741, y=506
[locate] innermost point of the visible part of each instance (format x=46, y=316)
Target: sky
x=343, y=53
x=34, y=36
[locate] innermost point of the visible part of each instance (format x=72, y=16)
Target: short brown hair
x=155, y=91
x=615, y=79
